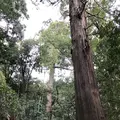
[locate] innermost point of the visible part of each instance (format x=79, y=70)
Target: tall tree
x=10, y=32
x=27, y=61
x=54, y=53
x=88, y=106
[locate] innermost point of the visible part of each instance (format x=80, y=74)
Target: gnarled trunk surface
x=88, y=105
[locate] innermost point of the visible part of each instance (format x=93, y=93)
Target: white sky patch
x=3, y=24
x=118, y=3
x=41, y=76
x=37, y=16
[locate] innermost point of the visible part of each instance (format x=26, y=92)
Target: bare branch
x=94, y=15
x=60, y=67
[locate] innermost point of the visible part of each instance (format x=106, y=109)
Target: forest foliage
x=23, y=97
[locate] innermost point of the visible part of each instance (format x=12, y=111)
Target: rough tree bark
x=88, y=105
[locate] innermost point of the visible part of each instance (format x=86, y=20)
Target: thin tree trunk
x=88, y=105
x=49, y=94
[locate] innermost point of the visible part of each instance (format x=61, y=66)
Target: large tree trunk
x=88, y=106
x=49, y=94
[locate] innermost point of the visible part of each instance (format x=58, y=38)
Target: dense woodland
x=86, y=48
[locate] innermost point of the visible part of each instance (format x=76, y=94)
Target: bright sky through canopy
x=44, y=12
x=37, y=16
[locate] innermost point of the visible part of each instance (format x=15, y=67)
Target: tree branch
x=60, y=67
x=94, y=15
